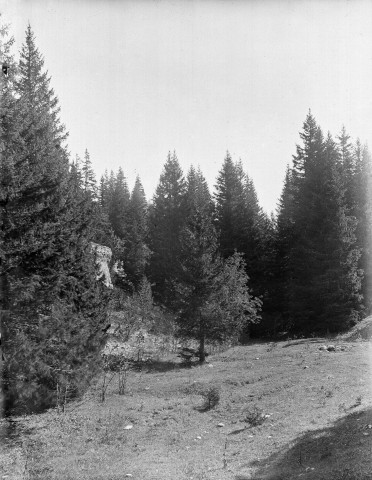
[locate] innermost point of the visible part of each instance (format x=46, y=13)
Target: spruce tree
x=212, y=295
x=323, y=281
x=230, y=206
x=167, y=217
x=137, y=250
x=119, y=205
x=284, y=241
x=55, y=306
x=10, y=118
x=362, y=188
x=88, y=175
x=244, y=227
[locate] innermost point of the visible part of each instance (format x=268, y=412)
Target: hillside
x=313, y=408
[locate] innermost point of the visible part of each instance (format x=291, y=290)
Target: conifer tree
x=104, y=192
x=362, y=189
x=54, y=304
x=119, y=205
x=137, y=250
x=167, y=217
x=212, y=295
x=323, y=281
x=89, y=179
x=10, y=118
x=230, y=206
x=243, y=226
x=284, y=241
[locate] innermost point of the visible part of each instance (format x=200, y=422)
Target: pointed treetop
x=138, y=196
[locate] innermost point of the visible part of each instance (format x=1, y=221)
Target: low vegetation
x=251, y=412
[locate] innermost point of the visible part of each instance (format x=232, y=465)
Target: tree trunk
x=202, y=348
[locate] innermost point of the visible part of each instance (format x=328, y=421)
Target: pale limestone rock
x=103, y=256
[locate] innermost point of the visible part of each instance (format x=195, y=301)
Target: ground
x=286, y=410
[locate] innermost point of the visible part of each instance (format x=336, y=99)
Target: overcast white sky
x=138, y=78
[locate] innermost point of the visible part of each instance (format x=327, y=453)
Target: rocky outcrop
x=361, y=331
x=103, y=256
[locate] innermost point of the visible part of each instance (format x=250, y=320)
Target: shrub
x=211, y=397
x=254, y=416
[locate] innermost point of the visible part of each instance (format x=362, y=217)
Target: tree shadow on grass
x=342, y=451
x=303, y=341
x=155, y=366
x=13, y=431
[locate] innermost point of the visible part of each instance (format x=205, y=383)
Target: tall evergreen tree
x=230, y=206
x=284, y=242
x=323, y=281
x=89, y=178
x=362, y=194
x=243, y=226
x=137, y=250
x=212, y=295
x=167, y=217
x=119, y=205
x=54, y=305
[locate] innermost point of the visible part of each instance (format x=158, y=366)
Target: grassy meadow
x=277, y=411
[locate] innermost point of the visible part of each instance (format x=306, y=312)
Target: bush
x=211, y=397
x=254, y=417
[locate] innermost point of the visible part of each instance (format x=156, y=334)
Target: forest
x=211, y=262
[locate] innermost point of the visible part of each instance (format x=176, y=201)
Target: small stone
x=128, y=427
x=323, y=347
x=210, y=365
x=306, y=366
x=198, y=437
x=366, y=434
x=331, y=348
x=369, y=426
x=257, y=358
x=220, y=424
x=128, y=475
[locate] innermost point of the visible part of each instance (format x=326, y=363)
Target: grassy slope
x=317, y=428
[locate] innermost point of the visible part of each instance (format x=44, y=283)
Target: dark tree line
x=324, y=233
x=310, y=265
x=216, y=262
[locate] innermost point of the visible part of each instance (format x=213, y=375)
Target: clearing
x=286, y=410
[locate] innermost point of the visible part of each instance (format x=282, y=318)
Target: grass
x=283, y=412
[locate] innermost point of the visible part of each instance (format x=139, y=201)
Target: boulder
x=103, y=256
